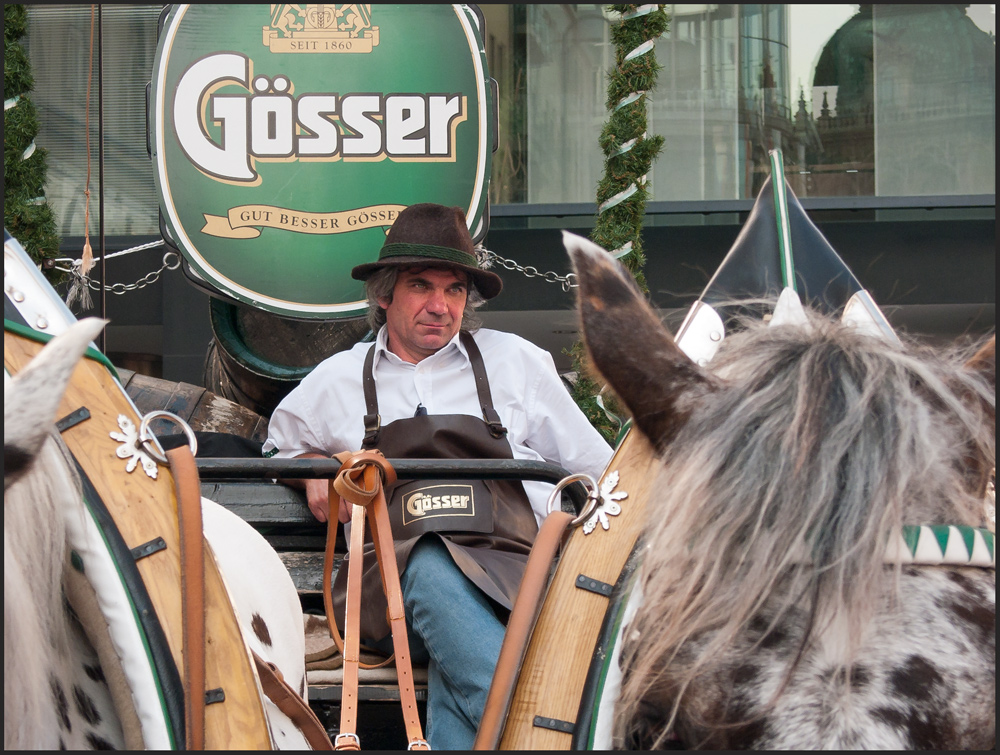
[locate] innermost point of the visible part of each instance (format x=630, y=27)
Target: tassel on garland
x=87, y=260
x=79, y=288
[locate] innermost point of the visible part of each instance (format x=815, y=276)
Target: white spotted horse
x=785, y=598
x=57, y=693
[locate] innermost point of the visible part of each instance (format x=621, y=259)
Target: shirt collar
x=454, y=346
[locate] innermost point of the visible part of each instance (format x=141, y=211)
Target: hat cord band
x=429, y=251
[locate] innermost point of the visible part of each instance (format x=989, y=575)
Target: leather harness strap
x=386, y=555
x=347, y=738
x=192, y=554
x=328, y=557
x=360, y=482
x=522, y=621
x=291, y=704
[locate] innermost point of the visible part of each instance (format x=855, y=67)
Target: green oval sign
x=286, y=139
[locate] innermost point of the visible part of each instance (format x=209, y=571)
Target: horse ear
x=985, y=361
x=32, y=397
x=629, y=346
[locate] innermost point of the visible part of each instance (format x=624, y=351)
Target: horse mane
x=41, y=489
x=34, y=548
x=781, y=492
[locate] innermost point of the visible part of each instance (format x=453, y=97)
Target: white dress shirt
x=324, y=413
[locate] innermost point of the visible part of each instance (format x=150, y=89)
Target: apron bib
x=488, y=526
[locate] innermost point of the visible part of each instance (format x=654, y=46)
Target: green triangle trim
x=941, y=532
x=988, y=539
x=969, y=536
x=911, y=535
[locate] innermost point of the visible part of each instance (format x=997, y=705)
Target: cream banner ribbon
x=245, y=221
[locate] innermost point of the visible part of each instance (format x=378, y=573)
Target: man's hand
x=318, y=495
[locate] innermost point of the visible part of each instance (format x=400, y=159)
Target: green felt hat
x=436, y=236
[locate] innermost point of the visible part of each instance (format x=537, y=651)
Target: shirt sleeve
x=558, y=429
x=292, y=429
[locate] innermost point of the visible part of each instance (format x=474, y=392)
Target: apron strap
x=497, y=430
x=372, y=419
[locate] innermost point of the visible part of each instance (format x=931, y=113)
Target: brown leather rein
x=192, y=553
x=186, y=482
x=361, y=482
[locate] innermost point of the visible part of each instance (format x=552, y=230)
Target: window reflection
x=863, y=100
x=935, y=101
x=841, y=159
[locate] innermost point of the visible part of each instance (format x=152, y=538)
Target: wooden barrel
x=256, y=358
x=203, y=410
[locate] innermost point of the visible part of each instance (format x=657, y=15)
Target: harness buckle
x=372, y=424
x=497, y=430
x=353, y=744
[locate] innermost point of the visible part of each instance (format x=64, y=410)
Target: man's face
x=425, y=312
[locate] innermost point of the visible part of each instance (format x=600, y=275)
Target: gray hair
x=382, y=283
x=782, y=491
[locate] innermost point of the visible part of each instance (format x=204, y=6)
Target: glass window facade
x=863, y=100
x=64, y=67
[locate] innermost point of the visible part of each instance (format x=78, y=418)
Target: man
x=434, y=385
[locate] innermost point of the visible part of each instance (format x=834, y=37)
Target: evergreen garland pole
x=629, y=152
x=26, y=214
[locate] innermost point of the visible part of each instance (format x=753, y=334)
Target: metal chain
x=171, y=261
x=567, y=281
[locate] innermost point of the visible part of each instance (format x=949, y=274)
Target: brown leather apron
x=488, y=526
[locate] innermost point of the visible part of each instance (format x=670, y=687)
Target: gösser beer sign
x=286, y=139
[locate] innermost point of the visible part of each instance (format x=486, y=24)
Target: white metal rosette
x=130, y=448
x=608, y=505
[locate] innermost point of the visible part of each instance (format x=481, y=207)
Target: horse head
x=789, y=467
x=628, y=345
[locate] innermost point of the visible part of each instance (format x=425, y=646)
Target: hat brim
x=488, y=284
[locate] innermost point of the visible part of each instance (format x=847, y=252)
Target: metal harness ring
x=145, y=437
x=593, y=496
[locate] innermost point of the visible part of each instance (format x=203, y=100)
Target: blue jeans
x=451, y=627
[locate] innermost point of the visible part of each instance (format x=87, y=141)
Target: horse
x=776, y=605
x=57, y=695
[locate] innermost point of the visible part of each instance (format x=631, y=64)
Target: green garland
x=629, y=152
x=26, y=214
